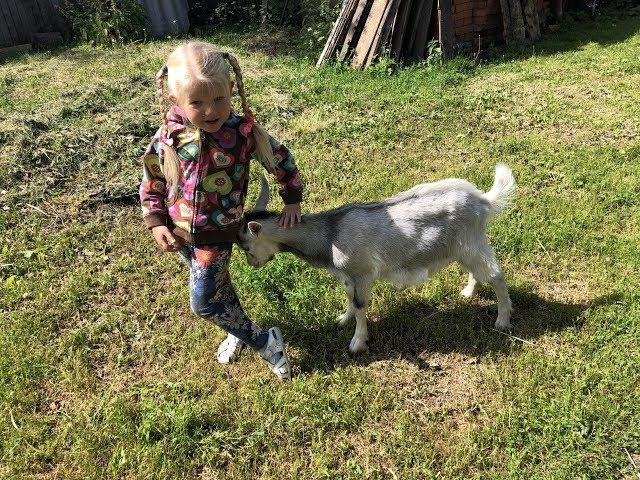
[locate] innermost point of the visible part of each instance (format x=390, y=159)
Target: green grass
x=105, y=372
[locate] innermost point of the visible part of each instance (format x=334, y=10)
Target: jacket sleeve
x=153, y=188
x=286, y=172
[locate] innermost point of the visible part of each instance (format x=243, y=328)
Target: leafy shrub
x=273, y=14
x=105, y=22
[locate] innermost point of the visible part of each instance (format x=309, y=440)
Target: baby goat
x=404, y=239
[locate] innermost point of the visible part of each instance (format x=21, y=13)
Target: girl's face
x=206, y=107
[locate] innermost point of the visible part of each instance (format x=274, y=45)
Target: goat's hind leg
x=503, y=322
x=483, y=267
x=468, y=291
x=346, y=317
x=361, y=296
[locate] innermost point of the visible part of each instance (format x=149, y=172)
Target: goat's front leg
x=351, y=309
x=361, y=295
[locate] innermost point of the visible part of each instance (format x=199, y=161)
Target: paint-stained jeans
x=212, y=295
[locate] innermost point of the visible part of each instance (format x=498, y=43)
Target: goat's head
x=257, y=245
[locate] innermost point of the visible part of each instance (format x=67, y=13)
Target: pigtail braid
x=169, y=160
x=263, y=150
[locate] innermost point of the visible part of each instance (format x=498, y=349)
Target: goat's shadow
x=418, y=327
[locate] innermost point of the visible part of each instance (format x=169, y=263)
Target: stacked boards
x=365, y=28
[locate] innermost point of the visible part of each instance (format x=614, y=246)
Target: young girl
x=194, y=186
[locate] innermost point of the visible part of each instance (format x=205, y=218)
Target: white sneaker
x=230, y=349
x=275, y=355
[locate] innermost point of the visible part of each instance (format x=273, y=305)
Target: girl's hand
x=290, y=215
x=166, y=240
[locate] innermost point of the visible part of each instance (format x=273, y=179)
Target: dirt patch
x=432, y=381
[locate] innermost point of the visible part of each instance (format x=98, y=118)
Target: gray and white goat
x=405, y=239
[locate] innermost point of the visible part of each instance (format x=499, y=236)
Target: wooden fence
x=20, y=19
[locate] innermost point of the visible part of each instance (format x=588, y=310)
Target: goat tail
x=502, y=190
x=263, y=196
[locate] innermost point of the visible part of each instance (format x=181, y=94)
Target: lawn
x=106, y=373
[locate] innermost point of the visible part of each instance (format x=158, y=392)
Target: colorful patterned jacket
x=206, y=204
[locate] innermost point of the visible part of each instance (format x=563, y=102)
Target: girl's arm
x=291, y=186
x=152, y=198
x=153, y=189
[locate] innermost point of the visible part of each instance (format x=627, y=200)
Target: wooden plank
x=412, y=26
x=355, y=29
x=339, y=31
x=385, y=37
x=11, y=27
x=355, y=6
x=381, y=33
x=41, y=19
x=419, y=46
x=378, y=10
x=23, y=21
x=377, y=40
x=6, y=40
x=22, y=27
x=399, y=29
x=445, y=19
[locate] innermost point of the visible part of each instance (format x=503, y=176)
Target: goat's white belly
x=415, y=275
x=408, y=277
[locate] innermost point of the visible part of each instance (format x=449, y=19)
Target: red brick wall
x=482, y=19
x=473, y=19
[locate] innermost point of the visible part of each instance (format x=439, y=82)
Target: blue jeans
x=212, y=295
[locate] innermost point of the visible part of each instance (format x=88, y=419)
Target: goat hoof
x=358, y=346
x=343, y=320
x=503, y=326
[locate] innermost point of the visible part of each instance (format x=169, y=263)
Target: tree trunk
x=507, y=31
x=531, y=17
x=515, y=9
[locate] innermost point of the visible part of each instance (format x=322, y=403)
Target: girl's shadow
x=417, y=327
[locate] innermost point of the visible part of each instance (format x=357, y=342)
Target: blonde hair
x=201, y=62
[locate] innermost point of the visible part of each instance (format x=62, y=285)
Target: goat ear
x=255, y=228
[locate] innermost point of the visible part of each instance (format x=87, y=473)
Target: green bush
x=105, y=22
x=273, y=14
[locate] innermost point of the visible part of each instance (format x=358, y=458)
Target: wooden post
x=445, y=27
